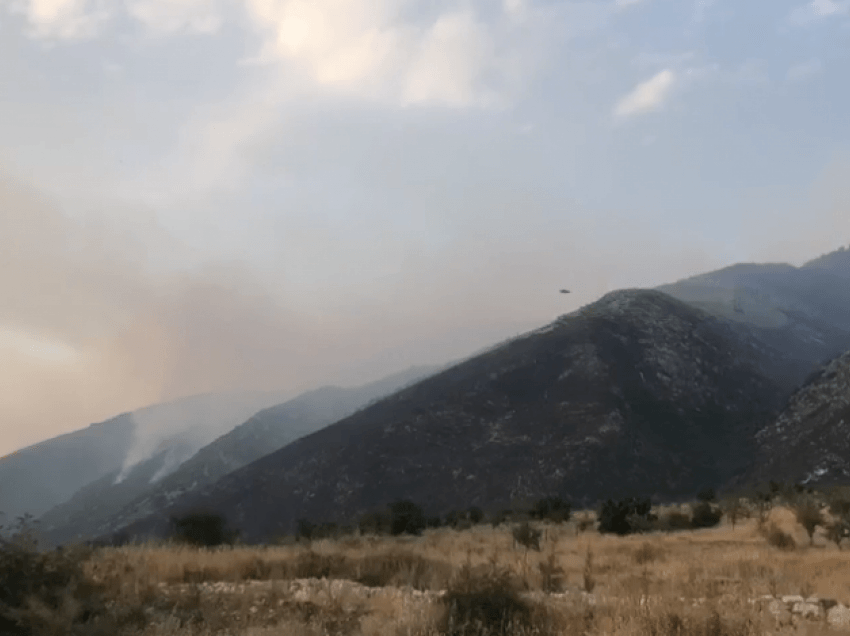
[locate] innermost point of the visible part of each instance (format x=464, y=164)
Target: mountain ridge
x=640, y=383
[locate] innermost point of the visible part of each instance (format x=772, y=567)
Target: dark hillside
x=638, y=393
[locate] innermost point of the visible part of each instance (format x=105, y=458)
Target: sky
x=211, y=195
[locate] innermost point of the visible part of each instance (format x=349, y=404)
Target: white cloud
x=819, y=9
x=63, y=19
x=450, y=60
x=169, y=16
x=646, y=96
x=362, y=48
x=804, y=70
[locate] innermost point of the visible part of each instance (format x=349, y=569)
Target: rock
x=807, y=610
x=838, y=617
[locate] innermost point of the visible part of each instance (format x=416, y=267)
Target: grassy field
x=477, y=581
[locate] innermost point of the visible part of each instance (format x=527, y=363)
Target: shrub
x=777, y=538
x=707, y=494
x=837, y=531
x=525, y=535
x=453, y=518
x=304, y=529
x=646, y=553
x=476, y=515
x=44, y=592
x=501, y=517
x=734, y=509
x=406, y=518
x=378, y=522
x=809, y=514
x=625, y=516
x=676, y=520
x=583, y=523
x=552, y=574
x=202, y=529
x=839, y=509
x=485, y=605
x=551, y=509
x=705, y=516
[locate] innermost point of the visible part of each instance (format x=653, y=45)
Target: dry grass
x=642, y=585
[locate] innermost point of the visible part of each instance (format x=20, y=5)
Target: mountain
x=109, y=502
x=637, y=393
x=41, y=476
x=810, y=440
x=801, y=311
x=34, y=479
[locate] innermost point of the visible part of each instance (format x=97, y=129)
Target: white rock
x=838, y=617
x=807, y=610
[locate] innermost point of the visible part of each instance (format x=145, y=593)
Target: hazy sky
x=198, y=195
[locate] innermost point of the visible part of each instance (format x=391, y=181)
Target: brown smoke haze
x=92, y=324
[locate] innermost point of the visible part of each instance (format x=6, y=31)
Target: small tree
x=551, y=509
x=202, y=529
x=810, y=516
x=304, y=529
x=734, y=509
x=705, y=516
x=525, y=535
x=378, y=522
x=476, y=515
x=839, y=510
x=624, y=516
x=406, y=518
x=707, y=495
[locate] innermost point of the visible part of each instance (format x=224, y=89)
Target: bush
x=485, y=605
x=304, y=529
x=777, y=538
x=377, y=523
x=676, y=520
x=705, y=516
x=45, y=592
x=202, y=529
x=476, y=515
x=734, y=509
x=525, y=535
x=624, y=517
x=501, y=517
x=551, y=509
x=406, y=518
x=809, y=515
x=313, y=531
x=453, y=518
x=707, y=494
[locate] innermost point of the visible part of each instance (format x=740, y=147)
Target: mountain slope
x=810, y=440
x=34, y=479
x=107, y=503
x=638, y=393
x=802, y=311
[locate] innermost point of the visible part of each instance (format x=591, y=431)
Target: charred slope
x=638, y=393
x=109, y=503
x=810, y=440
